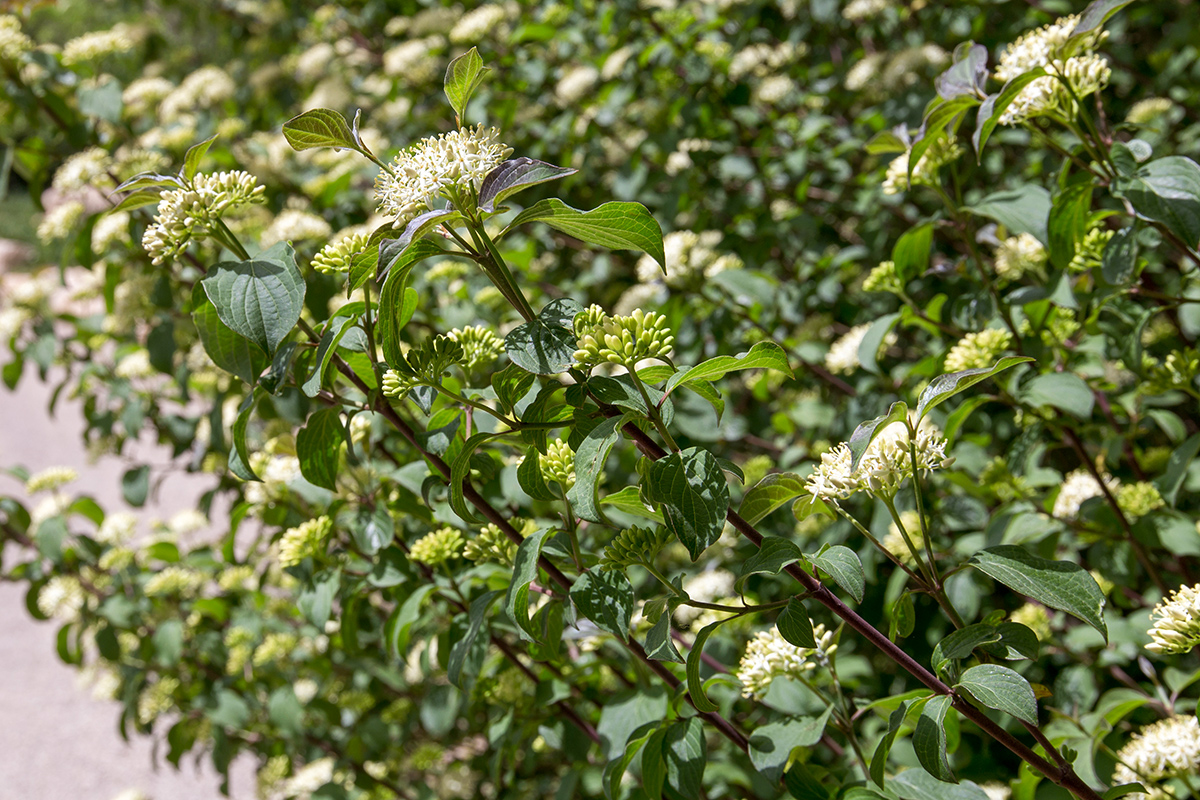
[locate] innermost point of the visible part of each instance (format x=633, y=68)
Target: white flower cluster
x=187, y=214
x=175, y=580
x=144, y=94
x=62, y=598
x=575, y=84
x=885, y=465
x=1084, y=72
x=691, y=257
x=416, y=61
x=117, y=528
x=940, y=153
x=863, y=10
x=1177, y=629
x=60, y=221
x=111, y=228
x=1020, y=255
x=769, y=656
x=13, y=41
x=479, y=24
x=294, y=225
x=760, y=60
x=98, y=44
x=434, y=166
x=843, y=354
x=204, y=88
x=1079, y=486
x=86, y=168
x=1164, y=749
x=50, y=479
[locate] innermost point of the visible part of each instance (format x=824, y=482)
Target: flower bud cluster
x=306, y=540
x=191, y=212
x=634, y=545
x=558, y=464
x=624, y=340
x=424, y=364
x=491, y=544
x=157, y=698
x=175, y=580
x=894, y=542
x=98, y=44
x=884, y=278
x=944, y=150
x=977, y=349
x=438, y=547
x=769, y=656
x=1090, y=253
x=843, y=354
x=1177, y=371
x=1020, y=255
x=13, y=41
x=336, y=256
x=1139, y=499
x=480, y=346
x=1177, y=627
x=1035, y=617
x=437, y=167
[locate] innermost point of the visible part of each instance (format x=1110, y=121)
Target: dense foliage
x=873, y=478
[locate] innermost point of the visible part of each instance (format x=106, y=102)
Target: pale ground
x=56, y=741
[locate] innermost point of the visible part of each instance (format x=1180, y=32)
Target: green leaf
x=865, y=433
x=1177, y=468
x=916, y=784
x=929, y=739
x=193, y=157
x=961, y=643
x=101, y=98
x=541, y=346
x=230, y=351
x=1002, y=689
x=842, y=564
x=868, y=348
x=629, y=500
x=695, y=686
x=997, y=104
x=589, y=465
x=525, y=568
x=1119, y=260
x=880, y=757
x=771, y=745
x=795, y=626
x=625, y=714
x=966, y=76
x=902, y=617
x=231, y=711
x=1057, y=584
x=462, y=648
x=260, y=298
x=1069, y=219
x=943, y=387
x=402, y=619
x=529, y=475
x=316, y=602
x=658, y=641
x=391, y=257
x=1062, y=390
x=911, y=253
x=329, y=341
x=396, y=308
x=416, y=229
x=319, y=127
x=685, y=754
x=317, y=446
x=373, y=529
x=1016, y=642
x=773, y=555
x=1094, y=16
x=285, y=712
x=463, y=77
x=764, y=355
x=135, y=485
x=239, y=452
x=772, y=492
x=460, y=469
x=694, y=496
x=1025, y=209
x=1167, y=190
x=606, y=598
x=515, y=175
x=616, y=225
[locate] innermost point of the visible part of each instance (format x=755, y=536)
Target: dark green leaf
x=880, y=757
x=771, y=745
x=795, y=626
x=772, y=492
x=135, y=485
x=773, y=555
x=285, y=711
x=239, y=451
x=685, y=755
x=1119, y=260
x=606, y=598
x=316, y=602
x=929, y=739
x=515, y=175
x=997, y=104
x=260, y=298
x=866, y=432
x=1057, y=584
x=525, y=568
x=916, y=784
x=616, y=225
x=911, y=253
x=463, y=646
x=764, y=355
x=961, y=643
x=868, y=348
x=966, y=76
x=658, y=641
x=842, y=564
x=1025, y=209
x=1063, y=390
x=317, y=446
x=193, y=157
x=1094, y=16
x=1002, y=689
x=374, y=529
x=695, y=687
x=694, y=496
x=1167, y=190
x=943, y=387
x=626, y=713
x=1177, y=468
x=1069, y=218
x=589, y=465
x=229, y=350
x=529, y=475
x=329, y=341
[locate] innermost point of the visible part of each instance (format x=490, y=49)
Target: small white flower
x=1079, y=486
x=1020, y=255
x=575, y=85
x=98, y=44
x=769, y=656
x=1163, y=749
x=1177, y=629
x=62, y=598
x=50, y=479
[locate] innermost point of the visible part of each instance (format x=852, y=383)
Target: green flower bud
x=1139, y=499
x=306, y=540
x=978, y=349
x=635, y=545
x=624, y=340
x=480, y=346
x=437, y=547
x=558, y=464
x=491, y=544
x=884, y=278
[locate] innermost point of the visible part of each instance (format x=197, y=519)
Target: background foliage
x=757, y=135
